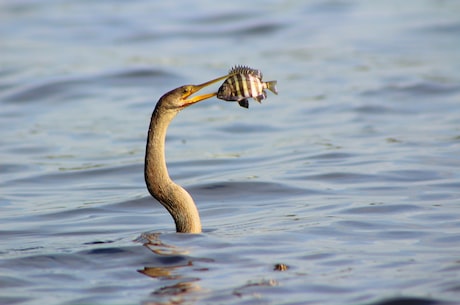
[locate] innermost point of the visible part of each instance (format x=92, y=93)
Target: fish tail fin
x=271, y=85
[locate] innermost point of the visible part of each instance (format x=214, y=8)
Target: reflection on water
x=344, y=187
x=177, y=289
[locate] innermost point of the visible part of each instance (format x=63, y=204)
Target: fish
x=243, y=83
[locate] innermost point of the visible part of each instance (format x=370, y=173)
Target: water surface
x=349, y=177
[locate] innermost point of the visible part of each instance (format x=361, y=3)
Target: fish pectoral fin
x=244, y=103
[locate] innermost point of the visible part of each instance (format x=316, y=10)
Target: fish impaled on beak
x=192, y=89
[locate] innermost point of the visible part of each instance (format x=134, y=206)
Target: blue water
x=350, y=176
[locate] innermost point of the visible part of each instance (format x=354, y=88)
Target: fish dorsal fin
x=238, y=69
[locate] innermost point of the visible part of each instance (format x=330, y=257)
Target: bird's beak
x=196, y=88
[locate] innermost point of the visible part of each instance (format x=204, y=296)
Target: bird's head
x=181, y=97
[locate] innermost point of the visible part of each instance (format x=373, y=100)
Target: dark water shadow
x=64, y=88
x=421, y=89
x=247, y=190
x=241, y=25
x=410, y=301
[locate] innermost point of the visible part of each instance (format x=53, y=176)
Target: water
x=349, y=177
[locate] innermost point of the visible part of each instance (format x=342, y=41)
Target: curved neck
x=174, y=198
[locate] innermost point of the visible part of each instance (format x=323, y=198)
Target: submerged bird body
x=244, y=83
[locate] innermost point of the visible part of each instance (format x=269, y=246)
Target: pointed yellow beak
x=195, y=88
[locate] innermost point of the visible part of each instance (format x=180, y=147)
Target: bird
x=177, y=201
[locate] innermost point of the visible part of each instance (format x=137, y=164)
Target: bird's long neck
x=174, y=198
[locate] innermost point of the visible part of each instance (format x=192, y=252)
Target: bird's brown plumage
x=172, y=196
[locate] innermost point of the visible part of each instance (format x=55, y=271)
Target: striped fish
x=243, y=83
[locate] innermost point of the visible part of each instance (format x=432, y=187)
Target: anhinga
x=172, y=196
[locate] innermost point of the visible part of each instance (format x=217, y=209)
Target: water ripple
x=342, y=189
x=67, y=88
